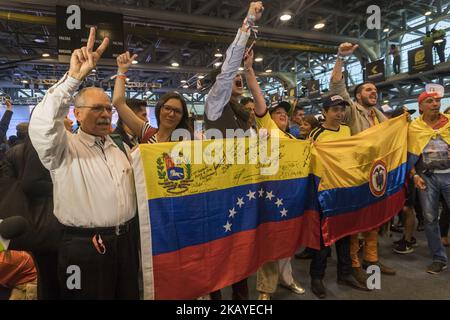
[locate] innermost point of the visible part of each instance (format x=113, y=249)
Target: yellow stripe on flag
x=194, y=171
x=347, y=162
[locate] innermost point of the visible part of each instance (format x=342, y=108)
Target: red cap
x=425, y=95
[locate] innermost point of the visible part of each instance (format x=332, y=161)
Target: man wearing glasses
x=94, y=194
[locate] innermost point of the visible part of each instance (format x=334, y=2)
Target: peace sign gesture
x=85, y=59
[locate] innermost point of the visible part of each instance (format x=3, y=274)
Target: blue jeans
x=437, y=184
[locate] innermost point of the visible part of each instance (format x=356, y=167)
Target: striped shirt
x=323, y=134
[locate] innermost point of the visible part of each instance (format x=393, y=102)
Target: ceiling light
x=134, y=62
x=285, y=17
x=259, y=59
x=268, y=70
x=386, y=101
x=293, y=68
x=39, y=40
x=185, y=86
x=218, y=64
x=319, y=25
x=175, y=64
x=24, y=81
x=428, y=13
x=201, y=77
x=94, y=71
x=386, y=30
x=183, y=81
x=438, y=40
x=218, y=55
x=127, y=79
x=241, y=69
x=46, y=55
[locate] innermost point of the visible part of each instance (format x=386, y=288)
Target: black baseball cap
x=399, y=111
x=334, y=100
x=283, y=104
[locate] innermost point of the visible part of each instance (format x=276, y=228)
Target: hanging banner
x=420, y=59
x=375, y=71
x=313, y=87
x=72, y=29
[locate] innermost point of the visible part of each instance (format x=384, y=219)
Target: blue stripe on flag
x=345, y=200
x=183, y=221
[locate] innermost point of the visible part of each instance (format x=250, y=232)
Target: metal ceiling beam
x=154, y=67
x=147, y=31
x=420, y=26
x=208, y=6
x=168, y=17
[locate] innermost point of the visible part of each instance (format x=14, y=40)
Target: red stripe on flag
x=198, y=270
x=365, y=219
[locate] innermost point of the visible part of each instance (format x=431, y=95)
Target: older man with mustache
x=94, y=194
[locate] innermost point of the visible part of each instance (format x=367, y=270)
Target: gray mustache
x=104, y=121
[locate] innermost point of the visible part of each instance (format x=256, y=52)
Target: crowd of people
x=77, y=188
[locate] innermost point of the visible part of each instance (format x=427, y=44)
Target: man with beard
x=359, y=116
x=93, y=189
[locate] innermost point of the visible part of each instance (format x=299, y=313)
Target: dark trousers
x=418, y=208
x=46, y=265
x=319, y=261
x=444, y=219
x=440, y=49
x=240, y=291
x=396, y=64
x=113, y=275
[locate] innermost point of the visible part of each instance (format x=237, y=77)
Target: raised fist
x=346, y=49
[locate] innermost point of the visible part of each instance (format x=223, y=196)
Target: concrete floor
x=411, y=282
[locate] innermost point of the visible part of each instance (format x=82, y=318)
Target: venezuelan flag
x=207, y=226
x=419, y=134
x=360, y=180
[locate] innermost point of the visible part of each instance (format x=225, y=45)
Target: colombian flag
x=360, y=180
x=419, y=134
x=206, y=226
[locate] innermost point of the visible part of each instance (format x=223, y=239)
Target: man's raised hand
x=256, y=9
x=346, y=49
x=85, y=59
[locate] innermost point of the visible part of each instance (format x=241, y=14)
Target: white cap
x=435, y=87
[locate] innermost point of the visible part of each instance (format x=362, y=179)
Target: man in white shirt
x=94, y=194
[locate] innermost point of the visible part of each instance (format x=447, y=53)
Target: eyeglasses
x=99, y=108
x=169, y=109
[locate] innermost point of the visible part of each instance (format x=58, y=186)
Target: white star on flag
x=232, y=213
x=261, y=193
x=284, y=212
x=228, y=226
x=240, y=202
x=270, y=195
x=279, y=202
x=251, y=195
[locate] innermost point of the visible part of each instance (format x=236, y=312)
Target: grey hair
x=78, y=100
